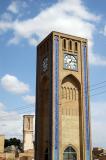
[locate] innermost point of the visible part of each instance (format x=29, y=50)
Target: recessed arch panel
x=72, y=79
x=70, y=88
x=71, y=117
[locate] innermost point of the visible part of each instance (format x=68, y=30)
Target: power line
x=24, y=106
x=96, y=94
x=27, y=106
x=99, y=93
x=63, y=103
x=20, y=108
x=98, y=83
x=102, y=82
x=11, y=115
x=98, y=88
x=93, y=89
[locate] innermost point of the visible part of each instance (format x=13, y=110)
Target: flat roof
x=63, y=35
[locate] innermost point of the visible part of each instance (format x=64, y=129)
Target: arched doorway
x=69, y=154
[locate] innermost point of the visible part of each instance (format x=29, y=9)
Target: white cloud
x=97, y=60
x=4, y=25
x=98, y=122
x=33, y=41
x=13, y=7
x=6, y=17
x=29, y=99
x=94, y=58
x=2, y=106
x=14, y=40
x=11, y=123
x=73, y=18
x=17, y=6
x=104, y=31
x=13, y=85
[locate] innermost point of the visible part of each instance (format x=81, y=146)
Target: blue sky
x=23, y=24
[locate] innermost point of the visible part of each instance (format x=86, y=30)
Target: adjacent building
x=2, y=138
x=28, y=132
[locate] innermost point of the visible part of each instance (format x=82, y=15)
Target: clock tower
x=62, y=99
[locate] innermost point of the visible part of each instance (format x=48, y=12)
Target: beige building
x=7, y=156
x=28, y=155
x=28, y=132
x=2, y=138
x=62, y=99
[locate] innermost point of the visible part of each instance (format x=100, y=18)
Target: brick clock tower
x=62, y=99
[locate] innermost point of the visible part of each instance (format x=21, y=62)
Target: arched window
x=64, y=44
x=46, y=154
x=76, y=46
x=69, y=154
x=70, y=45
x=28, y=123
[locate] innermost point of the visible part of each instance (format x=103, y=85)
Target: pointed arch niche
x=71, y=113
x=70, y=91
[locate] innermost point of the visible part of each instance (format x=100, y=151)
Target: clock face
x=45, y=64
x=70, y=62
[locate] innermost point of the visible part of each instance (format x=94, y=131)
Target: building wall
x=2, y=137
x=71, y=95
x=28, y=132
x=70, y=117
x=62, y=99
x=28, y=142
x=29, y=155
x=7, y=156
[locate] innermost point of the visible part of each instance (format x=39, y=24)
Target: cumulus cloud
x=6, y=16
x=33, y=41
x=15, y=40
x=104, y=31
x=29, y=99
x=13, y=7
x=98, y=117
x=2, y=106
x=73, y=18
x=98, y=60
x=13, y=85
x=11, y=123
x=17, y=6
x=95, y=58
x=69, y=20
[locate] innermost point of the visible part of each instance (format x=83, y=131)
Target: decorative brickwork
x=62, y=99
